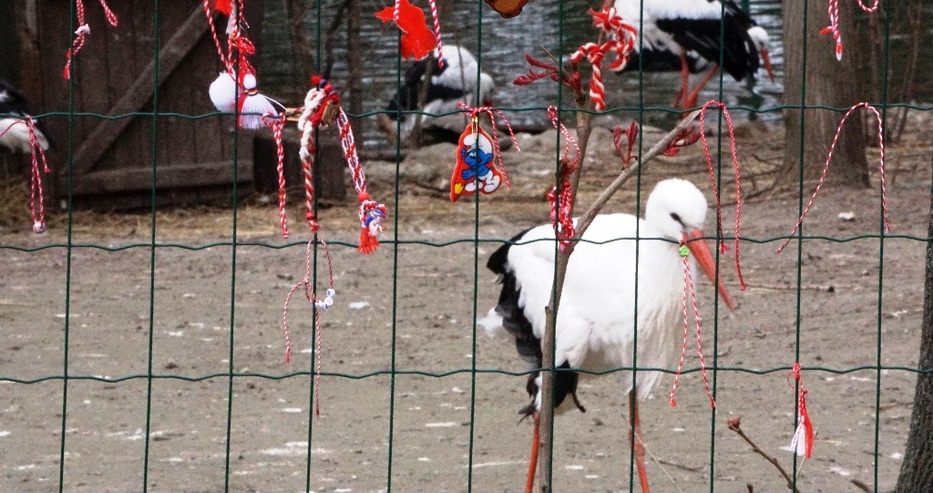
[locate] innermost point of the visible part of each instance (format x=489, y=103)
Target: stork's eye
x=676, y=217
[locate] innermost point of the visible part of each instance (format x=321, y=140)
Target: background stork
x=691, y=36
x=455, y=82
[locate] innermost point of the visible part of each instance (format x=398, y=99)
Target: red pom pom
x=363, y=196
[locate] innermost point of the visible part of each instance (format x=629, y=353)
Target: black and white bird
x=14, y=109
x=597, y=319
x=459, y=80
x=691, y=36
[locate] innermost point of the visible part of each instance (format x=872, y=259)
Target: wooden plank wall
x=113, y=75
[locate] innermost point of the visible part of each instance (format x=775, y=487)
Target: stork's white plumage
x=14, y=109
x=596, y=323
x=691, y=35
x=459, y=80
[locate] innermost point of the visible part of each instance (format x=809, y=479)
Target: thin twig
x=626, y=174
x=790, y=482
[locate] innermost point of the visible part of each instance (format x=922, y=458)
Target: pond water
x=500, y=45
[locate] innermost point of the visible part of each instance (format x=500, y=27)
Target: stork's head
x=486, y=88
x=763, y=44
x=678, y=209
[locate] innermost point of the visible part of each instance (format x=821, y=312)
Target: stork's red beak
x=694, y=241
x=766, y=61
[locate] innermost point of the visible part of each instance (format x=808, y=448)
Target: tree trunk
x=828, y=83
x=917, y=470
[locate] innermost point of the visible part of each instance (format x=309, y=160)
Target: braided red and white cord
x=83, y=30
x=320, y=305
x=833, y=28
x=689, y=290
x=738, y=187
x=36, y=190
x=829, y=158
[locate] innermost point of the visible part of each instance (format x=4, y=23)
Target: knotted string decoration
x=319, y=109
x=691, y=291
x=319, y=306
x=829, y=158
x=438, y=46
x=36, y=193
x=322, y=107
x=738, y=187
x=561, y=196
x=83, y=30
x=833, y=28
x=621, y=41
x=802, y=443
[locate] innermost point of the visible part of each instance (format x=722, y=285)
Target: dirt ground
x=206, y=309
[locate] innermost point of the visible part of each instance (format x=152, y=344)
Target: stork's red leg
x=637, y=446
x=691, y=99
x=685, y=79
x=533, y=460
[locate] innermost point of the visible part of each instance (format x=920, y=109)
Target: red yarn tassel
x=369, y=243
x=802, y=443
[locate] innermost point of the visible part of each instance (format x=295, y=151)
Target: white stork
x=451, y=84
x=597, y=317
x=14, y=109
x=691, y=35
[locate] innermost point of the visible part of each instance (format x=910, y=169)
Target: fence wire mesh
x=143, y=351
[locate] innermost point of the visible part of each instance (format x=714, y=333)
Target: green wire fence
x=152, y=359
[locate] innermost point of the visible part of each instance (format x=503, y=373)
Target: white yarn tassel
x=253, y=106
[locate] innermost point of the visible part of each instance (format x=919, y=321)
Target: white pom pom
x=223, y=93
x=331, y=293
x=328, y=302
x=249, y=81
x=38, y=227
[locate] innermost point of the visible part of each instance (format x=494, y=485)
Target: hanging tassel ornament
x=802, y=443
x=83, y=30
x=561, y=196
x=322, y=108
x=479, y=155
x=235, y=90
x=254, y=107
